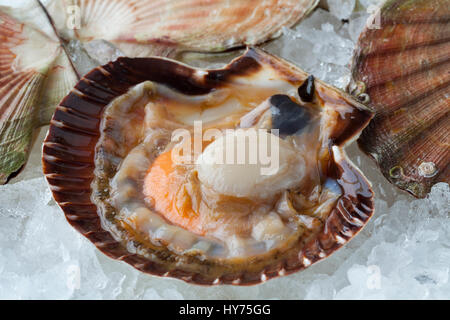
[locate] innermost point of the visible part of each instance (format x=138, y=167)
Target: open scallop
x=227, y=176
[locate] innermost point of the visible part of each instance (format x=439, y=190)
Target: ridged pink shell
x=143, y=27
x=24, y=105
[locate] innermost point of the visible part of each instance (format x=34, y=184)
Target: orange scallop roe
x=164, y=187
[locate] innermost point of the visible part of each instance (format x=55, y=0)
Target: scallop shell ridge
x=402, y=65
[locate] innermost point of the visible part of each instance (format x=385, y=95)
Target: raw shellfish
x=111, y=160
x=402, y=70
x=47, y=45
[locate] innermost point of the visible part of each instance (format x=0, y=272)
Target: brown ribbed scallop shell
x=402, y=68
x=69, y=151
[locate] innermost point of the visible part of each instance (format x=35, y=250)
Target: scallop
x=202, y=175
x=401, y=69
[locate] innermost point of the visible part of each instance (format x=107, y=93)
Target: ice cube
x=102, y=51
x=342, y=9
x=356, y=25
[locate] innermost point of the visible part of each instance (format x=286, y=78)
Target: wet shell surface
x=402, y=70
x=110, y=159
x=47, y=45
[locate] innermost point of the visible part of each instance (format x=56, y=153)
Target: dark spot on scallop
x=306, y=90
x=288, y=116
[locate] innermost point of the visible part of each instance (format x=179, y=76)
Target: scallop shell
x=70, y=147
x=30, y=61
x=73, y=30
x=144, y=28
x=401, y=69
